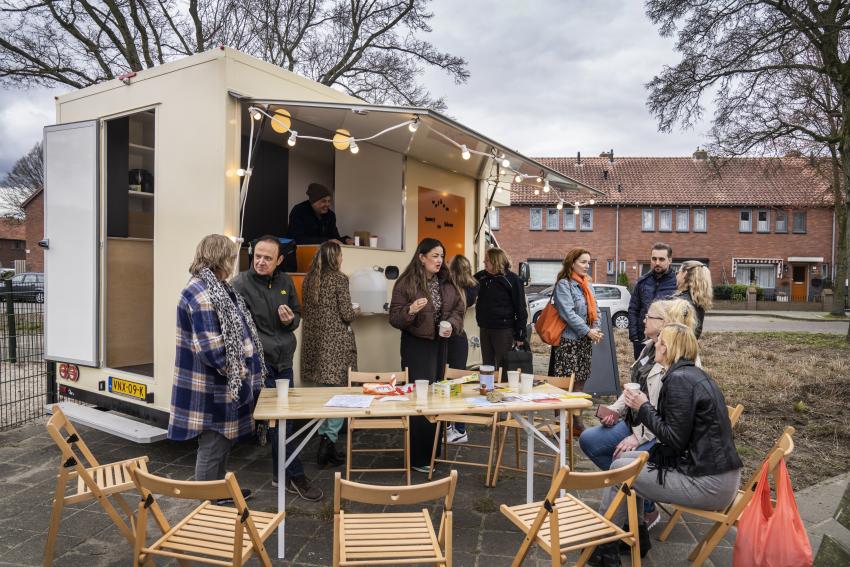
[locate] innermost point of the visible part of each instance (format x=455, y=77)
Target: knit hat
x=317, y=191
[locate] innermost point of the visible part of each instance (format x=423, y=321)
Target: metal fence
x=23, y=372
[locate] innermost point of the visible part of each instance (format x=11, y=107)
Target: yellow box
x=452, y=388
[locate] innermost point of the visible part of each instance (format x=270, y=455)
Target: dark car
x=28, y=286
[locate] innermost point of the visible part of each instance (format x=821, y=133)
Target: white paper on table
x=516, y=398
x=393, y=399
x=479, y=401
x=349, y=401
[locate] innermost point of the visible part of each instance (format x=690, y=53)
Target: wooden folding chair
x=392, y=538
x=545, y=426
x=357, y=423
x=94, y=482
x=216, y=535
x=725, y=519
x=572, y=524
x=486, y=420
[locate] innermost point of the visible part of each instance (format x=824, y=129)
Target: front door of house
x=799, y=283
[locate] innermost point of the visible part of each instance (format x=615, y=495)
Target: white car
x=615, y=297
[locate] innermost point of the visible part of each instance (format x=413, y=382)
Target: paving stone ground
x=87, y=538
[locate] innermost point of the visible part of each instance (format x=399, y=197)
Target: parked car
x=615, y=297
x=28, y=286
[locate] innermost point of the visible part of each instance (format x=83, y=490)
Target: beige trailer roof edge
x=555, y=177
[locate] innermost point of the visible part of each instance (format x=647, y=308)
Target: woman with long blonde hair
x=458, y=347
x=693, y=284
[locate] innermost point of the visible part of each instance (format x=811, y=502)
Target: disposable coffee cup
x=422, y=390
x=513, y=380
x=631, y=386
x=355, y=305
x=373, y=241
x=445, y=328
x=526, y=383
x=282, y=387
x=357, y=241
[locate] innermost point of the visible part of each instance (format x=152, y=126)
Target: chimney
x=793, y=153
x=700, y=154
x=578, y=158
x=604, y=174
x=609, y=154
x=619, y=187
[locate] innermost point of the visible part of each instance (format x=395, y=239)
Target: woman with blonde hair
x=693, y=284
x=219, y=366
x=329, y=349
x=501, y=312
x=458, y=347
x=694, y=461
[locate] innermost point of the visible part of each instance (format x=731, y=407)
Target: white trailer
x=139, y=169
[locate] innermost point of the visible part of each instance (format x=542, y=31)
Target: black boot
x=322, y=452
x=645, y=542
x=328, y=455
x=605, y=555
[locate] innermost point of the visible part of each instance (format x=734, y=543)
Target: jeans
x=599, y=442
x=295, y=468
x=458, y=353
x=330, y=428
x=211, y=459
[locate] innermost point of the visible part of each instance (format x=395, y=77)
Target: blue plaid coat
x=199, y=398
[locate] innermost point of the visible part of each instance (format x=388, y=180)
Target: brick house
x=12, y=241
x=765, y=221
x=34, y=210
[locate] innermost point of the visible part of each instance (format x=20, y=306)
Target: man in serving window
x=312, y=221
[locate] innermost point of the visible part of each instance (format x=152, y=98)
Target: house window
x=493, y=218
x=609, y=267
x=745, y=221
x=586, y=219
x=18, y=244
x=553, y=218
x=535, y=219
x=757, y=275
x=648, y=220
x=781, y=222
x=622, y=266
x=763, y=221
x=700, y=220
x=682, y=220
x=569, y=219
x=665, y=220
x=799, y=222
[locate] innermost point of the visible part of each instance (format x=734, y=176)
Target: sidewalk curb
x=774, y=315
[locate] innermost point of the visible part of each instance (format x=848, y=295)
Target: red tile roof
x=787, y=181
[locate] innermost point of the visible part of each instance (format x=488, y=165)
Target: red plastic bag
x=768, y=536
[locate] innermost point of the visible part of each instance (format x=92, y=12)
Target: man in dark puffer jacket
x=659, y=283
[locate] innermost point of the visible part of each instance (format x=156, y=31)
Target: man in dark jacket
x=312, y=221
x=272, y=299
x=659, y=283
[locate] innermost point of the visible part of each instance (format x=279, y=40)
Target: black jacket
x=501, y=303
x=691, y=424
x=305, y=227
x=264, y=295
x=647, y=289
x=700, y=312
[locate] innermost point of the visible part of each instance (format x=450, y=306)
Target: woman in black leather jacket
x=694, y=462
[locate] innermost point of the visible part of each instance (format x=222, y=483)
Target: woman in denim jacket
x=576, y=304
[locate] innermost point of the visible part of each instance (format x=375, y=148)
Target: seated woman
x=694, y=461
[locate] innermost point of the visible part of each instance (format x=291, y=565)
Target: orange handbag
x=549, y=324
x=771, y=536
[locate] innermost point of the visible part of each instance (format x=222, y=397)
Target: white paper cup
x=357, y=241
x=631, y=386
x=422, y=390
x=282, y=387
x=373, y=241
x=526, y=383
x=445, y=328
x=513, y=380
x=355, y=305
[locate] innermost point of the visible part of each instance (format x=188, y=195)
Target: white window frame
x=749, y=221
x=580, y=219
x=550, y=215
x=766, y=227
x=493, y=218
x=794, y=215
x=784, y=221
x=623, y=267
x=683, y=227
x=661, y=214
x=609, y=267
x=704, y=213
x=647, y=226
x=531, y=223
x=570, y=220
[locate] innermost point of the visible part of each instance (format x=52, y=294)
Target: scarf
x=584, y=282
x=230, y=317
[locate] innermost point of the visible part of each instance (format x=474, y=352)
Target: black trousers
x=425, y=359
x=458, y=347
x=495, y=343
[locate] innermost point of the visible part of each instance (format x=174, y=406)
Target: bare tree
x=25, y=178
x=370, y=48
x=779, y=72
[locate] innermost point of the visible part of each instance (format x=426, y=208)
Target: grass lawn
x=798, y=379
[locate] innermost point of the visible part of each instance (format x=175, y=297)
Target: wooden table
x=309, y=403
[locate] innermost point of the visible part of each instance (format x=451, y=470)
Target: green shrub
x=623, y=279
x=735, y=292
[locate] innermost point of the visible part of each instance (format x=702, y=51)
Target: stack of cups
x=422, y=391
x=526, y=383
x=513, y=380
x=282, y=387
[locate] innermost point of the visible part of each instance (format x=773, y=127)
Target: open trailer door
x=71, y=228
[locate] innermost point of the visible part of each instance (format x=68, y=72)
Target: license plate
x=128, y=388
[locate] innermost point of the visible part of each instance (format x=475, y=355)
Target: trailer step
x=112, y=423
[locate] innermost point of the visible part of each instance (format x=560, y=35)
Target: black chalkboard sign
x=604, y=375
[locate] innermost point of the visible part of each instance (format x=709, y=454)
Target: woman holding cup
x=428, y=308
x=328, y=348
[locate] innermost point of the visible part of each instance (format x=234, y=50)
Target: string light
x=560, y=204
x=414, y=126
x=293, y=137
x=546, y=187
x=576, y=211
x=353, y=146
x=255, y=113
x=464, y=152
x=536, y=191
x=518, y=178
x=539, y=179
x=240, y=172
x=592, y=201
x=505, y=162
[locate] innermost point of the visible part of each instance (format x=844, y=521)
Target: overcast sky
x=548, y=78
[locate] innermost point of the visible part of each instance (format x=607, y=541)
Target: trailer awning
x=436, y=141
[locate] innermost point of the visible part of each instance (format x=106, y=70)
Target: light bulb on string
x=413, y=126
x=576, y=211
x=536, y=191
x=464, y=152
x=592, y=202
x=240, y=172
x=546, y=187
x=540, y=180
x=518, y=178
x=255, y=113
x=505, y=162
x=560, y=204
x=353, y=146
x=293, y=137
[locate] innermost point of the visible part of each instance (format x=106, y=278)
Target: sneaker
x=246, y=494
x=455, y=436
x=425, y=469
x=302, y=487
x=274, y=483
x=652, y=518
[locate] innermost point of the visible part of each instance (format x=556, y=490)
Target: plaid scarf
x=230, y=318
